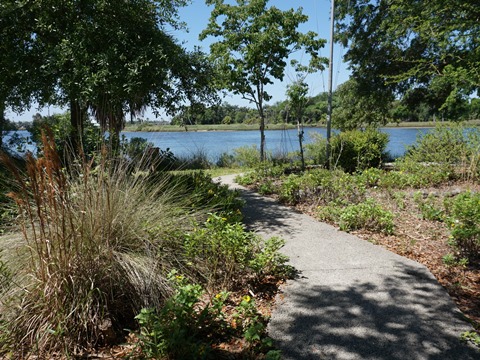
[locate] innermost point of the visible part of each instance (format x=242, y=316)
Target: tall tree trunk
x=262, y=137
x=300, y=141
x=262, y=122
x=2, y=121
x=76, y=121
x=116, y=126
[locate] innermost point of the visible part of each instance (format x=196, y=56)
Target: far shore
x=155, y=127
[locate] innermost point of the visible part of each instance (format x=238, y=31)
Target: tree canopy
x=400, y=45
x=256, y=42
x=98, y=56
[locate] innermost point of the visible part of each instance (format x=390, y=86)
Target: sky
x=196, y=17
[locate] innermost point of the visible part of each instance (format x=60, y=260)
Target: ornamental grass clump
x=95, y=250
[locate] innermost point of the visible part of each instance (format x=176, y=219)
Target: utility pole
x=330, y=77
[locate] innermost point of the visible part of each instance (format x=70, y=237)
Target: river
x=214, y=143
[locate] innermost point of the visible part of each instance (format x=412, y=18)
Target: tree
x=256, y=43
x=355, y=107
x=96, y=56
x=16, y=48
x=398, y=45
x=297, y=99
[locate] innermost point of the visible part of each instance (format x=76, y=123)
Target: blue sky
x=196, y=17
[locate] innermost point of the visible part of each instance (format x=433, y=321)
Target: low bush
x=352, y=150
x=324, y=186
x=190, y=324
x=224, y=251
x=429, y=207
x=371, y=177
x=315, y=151
x=419, y=174
x=247, y=156
x=196, y=161
x=455, y=150
x=357, y=150
x=464, y=221
x=221, y=250
x=181, y=328
x=268, y=260
x=289, y=191
x=367, y=215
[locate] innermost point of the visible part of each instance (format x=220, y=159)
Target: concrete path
x=352, y=299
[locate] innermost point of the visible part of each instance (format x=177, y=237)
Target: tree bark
x=2, y=121
x=76, y=121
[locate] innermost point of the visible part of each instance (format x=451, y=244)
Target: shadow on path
x=395, y=318
x=354, y=300
x=264, y=214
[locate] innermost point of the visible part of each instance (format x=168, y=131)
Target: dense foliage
x=95, y=56
x=428, y=51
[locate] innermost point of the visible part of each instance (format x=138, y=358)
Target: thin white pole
x=330, y=77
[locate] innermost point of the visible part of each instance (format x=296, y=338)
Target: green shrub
x=419, y=174
x=269, y=260
x=367, y=215
x=266, y=188
x=262, y=173
x=454, y=149
x=195, y=161
x=323, y=185
x=189, y=324
x=336, y=187
x=451, y=260
x=429, y=207
x=315, y=151
x=356, y=150
x=247, y=156
x=329, y=212
x=226, y=160
x=223, y=249
x=182, y=328
x=246, y=179
x=371, y=177
x=289, y=189
x=464, y=221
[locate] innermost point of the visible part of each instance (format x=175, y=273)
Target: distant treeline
x=417, y=107
x=411, y=108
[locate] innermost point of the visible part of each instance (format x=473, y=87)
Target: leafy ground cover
x=398, y=210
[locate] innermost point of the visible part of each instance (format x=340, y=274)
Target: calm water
x=278, y=141
x=214, y=143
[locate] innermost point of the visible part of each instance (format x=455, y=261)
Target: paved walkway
x=352, y=299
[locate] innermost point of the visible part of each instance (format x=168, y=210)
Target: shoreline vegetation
x=155, y=127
